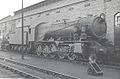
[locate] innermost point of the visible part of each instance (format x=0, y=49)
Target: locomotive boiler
x=94, y=27
x=73, y=40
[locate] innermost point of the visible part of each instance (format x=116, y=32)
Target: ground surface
x=73, y=69
x=4, y=74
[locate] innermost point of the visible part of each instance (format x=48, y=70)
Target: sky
x=7, y=7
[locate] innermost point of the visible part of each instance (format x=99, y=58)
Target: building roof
x=35, y=6
x=5, y=18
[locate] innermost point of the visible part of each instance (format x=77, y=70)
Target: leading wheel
x=72, y=56
x=45, y=54
x=52, y=55
x=61, y=56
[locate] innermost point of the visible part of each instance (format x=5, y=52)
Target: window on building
x=71, y=8
x=58, y=11
x=39, y=15
x=47, y=14
x=5, y=28
x=57, y=20
x=31, y=18
x=2, y=31
x=18, y=20
x=87, y=5
x=117, y=20
x=117, y=29
x=13, y=26
x=24, y=19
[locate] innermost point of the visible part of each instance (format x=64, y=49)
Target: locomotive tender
x=65, y=28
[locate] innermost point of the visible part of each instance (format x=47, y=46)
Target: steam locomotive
x=72, y=29
x=78, y=39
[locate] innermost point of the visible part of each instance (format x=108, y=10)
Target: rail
x=48, y=72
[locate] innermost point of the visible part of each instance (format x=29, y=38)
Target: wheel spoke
x=38, y=51
x=46, y=51
x=72, y=56
x=52, y=55
x=53, y=48
x=61, y=56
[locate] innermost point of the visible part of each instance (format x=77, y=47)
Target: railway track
x=13, y=66
x=26, y=75
x=58, y=68
x=5, y=74
x=110, y=65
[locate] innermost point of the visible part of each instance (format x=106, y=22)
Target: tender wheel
x=45, y=54
x=46, y=51
x=52, y=55
x=61, y=56
x=39, y=53
x=39, y=50
x=27, y=50
x=18, y=48
x=8, y=47
x=52, y=49
x=24, y=49
x=21, y=48
x=72, y=56
x=12, y=48
x=15, y=48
